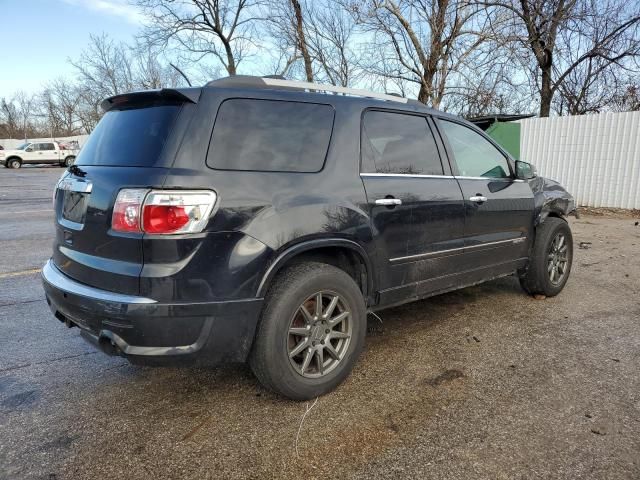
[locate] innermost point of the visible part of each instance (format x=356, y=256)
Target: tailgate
x=85, y=247
x=133, y=146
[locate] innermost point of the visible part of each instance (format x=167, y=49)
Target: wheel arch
x=540, y=220
x=342, y=253
x=13, y=158
x=554, y=213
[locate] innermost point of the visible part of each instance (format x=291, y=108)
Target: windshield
x=129, y=137
x=23, y=146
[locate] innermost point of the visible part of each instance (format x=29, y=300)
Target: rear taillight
x=162, y=211
x=177, y=212
x=127, y=210
x=163, y=219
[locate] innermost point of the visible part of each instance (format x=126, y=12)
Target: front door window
x=474, y=155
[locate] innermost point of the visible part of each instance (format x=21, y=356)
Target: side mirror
x=29, y=149
x=525, y=171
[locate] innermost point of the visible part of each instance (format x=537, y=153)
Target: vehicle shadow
x=400, y=323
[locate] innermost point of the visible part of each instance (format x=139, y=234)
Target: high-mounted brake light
x=162, y=211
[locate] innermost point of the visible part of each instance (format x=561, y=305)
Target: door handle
x=389, y=202
x=478, y=198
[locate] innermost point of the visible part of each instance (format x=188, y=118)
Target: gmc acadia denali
x=260, y=220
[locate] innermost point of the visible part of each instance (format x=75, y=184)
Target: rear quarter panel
x=259, y=215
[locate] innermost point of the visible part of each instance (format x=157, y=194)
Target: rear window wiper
x=76, y=170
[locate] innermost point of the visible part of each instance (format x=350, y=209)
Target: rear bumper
x=149, y=332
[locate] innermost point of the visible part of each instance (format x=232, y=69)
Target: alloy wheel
x=319, y=334
x=558, y=259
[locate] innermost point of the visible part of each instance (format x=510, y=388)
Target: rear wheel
x=311, y=331
x=69, y=161
x=550, y=264
x=14, y=163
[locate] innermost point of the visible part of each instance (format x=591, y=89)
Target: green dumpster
x=503, y=129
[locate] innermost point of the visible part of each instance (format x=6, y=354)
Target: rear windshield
x=129, y=137
x=268, y=135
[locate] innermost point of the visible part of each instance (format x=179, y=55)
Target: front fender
x=550, y=198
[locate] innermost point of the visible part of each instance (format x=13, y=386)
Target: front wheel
x=550, y=264
x=311, y=331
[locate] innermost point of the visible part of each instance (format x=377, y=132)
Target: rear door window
x=270, y=135
x=397, y=143
x=130, y=137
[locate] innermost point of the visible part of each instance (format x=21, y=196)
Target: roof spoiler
x=191, y=95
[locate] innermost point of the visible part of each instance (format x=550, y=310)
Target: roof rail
x=266, y=82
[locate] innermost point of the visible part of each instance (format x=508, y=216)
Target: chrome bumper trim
x=59, y=280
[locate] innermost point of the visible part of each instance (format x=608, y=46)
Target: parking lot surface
x=485, y=382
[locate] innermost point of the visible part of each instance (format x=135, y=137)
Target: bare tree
x=331, y=39
x=224, y=29
x=9, y=119
x=89, y=111
x=300, y=38
x=566, y=36
x=317, y=35
x=58, y=104
x=150, y=73
x=420, y=41
x=25, y=106
x=18, y=116
x=105, y=67
x=589, y=88
x=287, y=25
x=488, y=89
x=628, y=99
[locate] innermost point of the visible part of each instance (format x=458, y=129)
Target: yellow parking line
x=20, y=273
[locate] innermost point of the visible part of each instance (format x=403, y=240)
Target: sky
x=37, y=37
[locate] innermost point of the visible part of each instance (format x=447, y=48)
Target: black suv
x=261, y=219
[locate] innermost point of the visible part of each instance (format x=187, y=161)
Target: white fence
x=9, y=143
x=596, y=157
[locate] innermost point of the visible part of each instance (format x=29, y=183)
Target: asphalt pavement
x=485, y=382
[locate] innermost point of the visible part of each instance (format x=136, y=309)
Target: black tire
x=68, y=161
x=538, y=278
x=14, y=163
x=270, y=359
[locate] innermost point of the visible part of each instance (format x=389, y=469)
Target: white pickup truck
x=40, y=152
